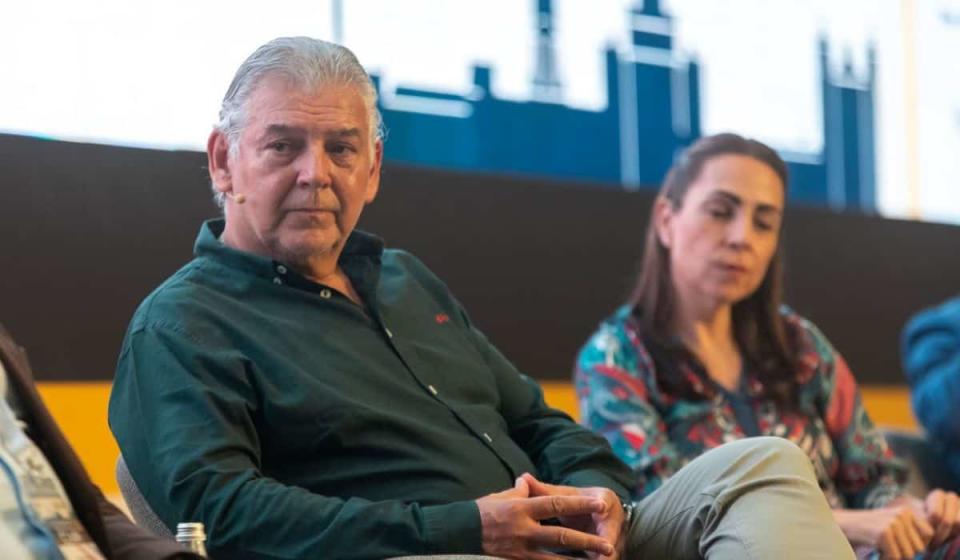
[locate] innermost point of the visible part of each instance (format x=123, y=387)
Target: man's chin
x=308, y=248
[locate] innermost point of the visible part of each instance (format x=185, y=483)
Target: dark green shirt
x=296, y=424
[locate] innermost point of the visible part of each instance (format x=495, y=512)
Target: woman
x=704, y=353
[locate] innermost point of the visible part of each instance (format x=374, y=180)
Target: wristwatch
x=628, y=508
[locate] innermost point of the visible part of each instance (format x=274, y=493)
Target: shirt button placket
x=282, y=271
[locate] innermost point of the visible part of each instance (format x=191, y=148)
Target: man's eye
x=341, y=149
x=719, y=212
x=280, y=146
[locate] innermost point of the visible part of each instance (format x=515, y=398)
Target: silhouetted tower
x=336, y=19
x=658, y=97
x=546, y=81
x=848, y=140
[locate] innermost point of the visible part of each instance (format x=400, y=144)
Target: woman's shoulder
x=816, y=355
x=618, y=338
x=802, y=330
x=620, y=326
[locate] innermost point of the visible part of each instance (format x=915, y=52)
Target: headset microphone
x=238, y=198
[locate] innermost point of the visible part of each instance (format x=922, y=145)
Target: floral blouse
x=656, y=433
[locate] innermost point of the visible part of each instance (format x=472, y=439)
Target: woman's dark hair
x=759, y=329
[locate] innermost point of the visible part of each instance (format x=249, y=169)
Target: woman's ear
x=663, y=214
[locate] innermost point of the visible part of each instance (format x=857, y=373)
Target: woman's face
x=723, y=236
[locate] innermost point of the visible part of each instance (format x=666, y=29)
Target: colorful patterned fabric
x=619, y=378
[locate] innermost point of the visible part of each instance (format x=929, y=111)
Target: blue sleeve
x=931, y=360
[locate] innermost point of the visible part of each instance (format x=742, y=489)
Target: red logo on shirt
x=442, y=318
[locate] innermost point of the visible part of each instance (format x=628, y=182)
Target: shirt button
x=433, y=390
x=281, y=269
x=325, y=293
x=487, y=437
x=277, y=281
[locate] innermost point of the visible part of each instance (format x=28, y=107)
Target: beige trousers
x=752, y=499
x=755, y=498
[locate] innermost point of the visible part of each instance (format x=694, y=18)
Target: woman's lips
x=731, y=267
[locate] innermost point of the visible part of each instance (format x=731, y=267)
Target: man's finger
x=543, y=555
x=519, y=490
x=610, y=531
x=521, y=485
x=545, y=507
x=570, y=539
x=540, y=488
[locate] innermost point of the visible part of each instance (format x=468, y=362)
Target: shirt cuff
x=453, y=528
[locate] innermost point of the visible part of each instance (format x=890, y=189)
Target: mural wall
x=861, y=97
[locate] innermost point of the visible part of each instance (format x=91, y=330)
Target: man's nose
x=314, y=168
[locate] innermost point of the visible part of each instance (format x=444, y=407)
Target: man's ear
x=218, y=161
x=373, y=182
x=663, y=214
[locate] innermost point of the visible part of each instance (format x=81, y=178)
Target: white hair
x=310, y=63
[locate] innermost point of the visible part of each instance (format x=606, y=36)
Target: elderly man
x=308, y=394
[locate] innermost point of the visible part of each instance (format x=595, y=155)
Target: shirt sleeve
x=563, y=451
x=184, y=413
x=613, y=392
x=869, y=475
x=931, y=360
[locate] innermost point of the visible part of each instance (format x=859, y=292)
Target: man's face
x=305, y=167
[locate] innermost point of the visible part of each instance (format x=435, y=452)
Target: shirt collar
x=360, y=259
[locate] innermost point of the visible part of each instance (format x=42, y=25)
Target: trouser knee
x=772, y=456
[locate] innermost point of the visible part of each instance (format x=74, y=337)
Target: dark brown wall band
x=87, y=231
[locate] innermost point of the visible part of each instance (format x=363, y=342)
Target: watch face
x=628, y=508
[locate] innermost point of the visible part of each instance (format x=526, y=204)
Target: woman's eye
x=766, y=224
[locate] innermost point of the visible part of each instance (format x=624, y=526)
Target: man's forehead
x=277, y=98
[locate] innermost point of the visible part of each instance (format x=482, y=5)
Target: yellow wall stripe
x=81, y=411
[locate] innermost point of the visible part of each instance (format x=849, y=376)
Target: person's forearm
x=266, y=520
x=854, y=525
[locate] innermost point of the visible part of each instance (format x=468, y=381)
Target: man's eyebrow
x=280, y=129
x=345, y=133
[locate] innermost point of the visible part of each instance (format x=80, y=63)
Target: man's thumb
x=520, y=489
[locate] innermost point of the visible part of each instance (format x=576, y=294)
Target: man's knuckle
x=556, y=504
